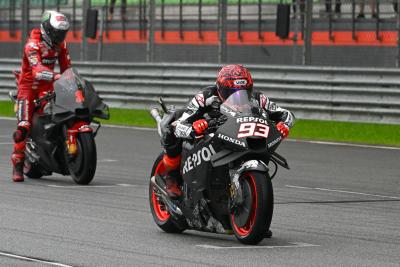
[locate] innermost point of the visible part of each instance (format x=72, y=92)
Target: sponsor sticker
x=196, y=159
x=232, y=140
x=251, y=119
x=200, y=99
x=49, y=61
x=33, y=60
x=60, y=18
x=240, y=82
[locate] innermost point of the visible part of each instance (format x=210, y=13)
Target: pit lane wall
x=327, y=93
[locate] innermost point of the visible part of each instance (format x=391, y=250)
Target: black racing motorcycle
x=61, y=138
x=226, y=179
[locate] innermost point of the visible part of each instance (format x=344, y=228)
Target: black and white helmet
x=54, y=27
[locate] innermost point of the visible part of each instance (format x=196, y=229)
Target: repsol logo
x=198, y=158
x=251, y=119
x=232, y=140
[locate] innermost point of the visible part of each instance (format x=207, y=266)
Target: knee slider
x=20, y=135
x=22, y=131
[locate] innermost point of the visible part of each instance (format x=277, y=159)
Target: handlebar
x=47, y=96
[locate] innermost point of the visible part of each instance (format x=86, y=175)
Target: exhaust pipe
x=157, y=117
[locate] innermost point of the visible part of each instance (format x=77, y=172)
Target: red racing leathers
x=37, y=76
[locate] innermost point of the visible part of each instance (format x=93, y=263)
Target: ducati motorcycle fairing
x=61, y=138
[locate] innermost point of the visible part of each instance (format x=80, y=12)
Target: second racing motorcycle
x=225, y=176
x=61, y=138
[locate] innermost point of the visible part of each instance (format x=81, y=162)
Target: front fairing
x=77, y=97
x=247, y=126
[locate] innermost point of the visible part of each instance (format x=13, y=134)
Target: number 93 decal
x=253, y=129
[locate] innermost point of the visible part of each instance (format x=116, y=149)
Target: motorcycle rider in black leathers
x=192, y=124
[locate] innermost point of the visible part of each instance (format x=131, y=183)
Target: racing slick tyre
x=158, y=209
x=82, y=167
x=251, y=221
x=32, y=170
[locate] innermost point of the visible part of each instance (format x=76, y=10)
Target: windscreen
x=238, y=103
x=66, y=90
x=68, y=81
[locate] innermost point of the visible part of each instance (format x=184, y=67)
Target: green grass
x=363, y=133
x=6, y=109
x=134, y=117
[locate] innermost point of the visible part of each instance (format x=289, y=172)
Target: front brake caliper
x=79, y=126
x=71, y=142
x=236, y=192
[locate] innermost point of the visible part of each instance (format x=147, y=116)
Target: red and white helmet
x=232, y=78
x=54, y=27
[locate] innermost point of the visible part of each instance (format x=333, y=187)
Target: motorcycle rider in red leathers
x=191, y=124
x=44, y=47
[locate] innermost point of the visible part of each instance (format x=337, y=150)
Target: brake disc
x=243, y=211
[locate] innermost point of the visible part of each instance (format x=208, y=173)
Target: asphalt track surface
x=337, y=206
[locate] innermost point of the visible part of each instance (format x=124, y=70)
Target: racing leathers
x=208, y=101
x=36, y=79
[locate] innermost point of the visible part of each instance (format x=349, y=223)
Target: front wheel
x=82, y=166
x=158, y=208
x=251, y=221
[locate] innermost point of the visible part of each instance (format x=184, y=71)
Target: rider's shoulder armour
x=261, y=99
x=207, y=96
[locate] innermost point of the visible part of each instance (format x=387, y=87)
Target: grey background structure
x=328, y=93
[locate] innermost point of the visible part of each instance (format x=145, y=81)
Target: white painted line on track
x=340, y=191
x=342, y=144
x=106, y=160
x=128, y=127
x=290, y=140
x=89, y=186
x=6, y=143
x=52, y=263
x=9, y=118
x=292, y=245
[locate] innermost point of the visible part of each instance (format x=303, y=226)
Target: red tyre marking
x=159, y=209
x=246, y=230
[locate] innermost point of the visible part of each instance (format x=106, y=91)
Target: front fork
x=235, y=190
x=71, y=143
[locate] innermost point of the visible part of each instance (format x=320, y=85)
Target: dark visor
x=59, y=36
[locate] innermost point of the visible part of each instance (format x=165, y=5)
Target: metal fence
x=312, y=23
x=328, y=93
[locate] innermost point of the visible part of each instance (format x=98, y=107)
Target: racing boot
x=17, y=160
x=172, y=187
x=172, y=173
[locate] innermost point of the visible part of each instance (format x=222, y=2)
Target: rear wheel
x=251, y=221
x=158, y=208
x=82, y=167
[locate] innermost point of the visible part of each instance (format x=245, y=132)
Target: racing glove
x=56, y=76
x=283, y=128
x=200, y=126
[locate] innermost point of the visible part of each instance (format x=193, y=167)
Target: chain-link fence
x=330, y=32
